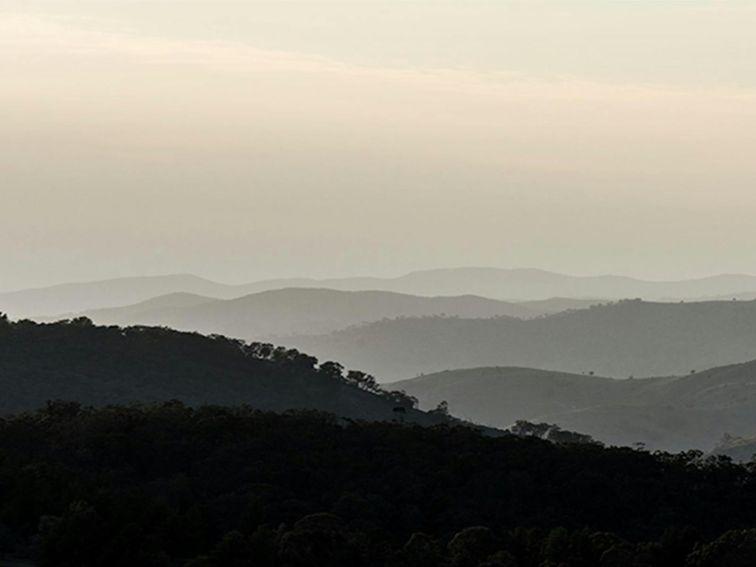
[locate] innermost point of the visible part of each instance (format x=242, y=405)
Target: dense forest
x=167, y=485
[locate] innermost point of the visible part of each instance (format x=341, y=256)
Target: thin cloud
x=26, y=39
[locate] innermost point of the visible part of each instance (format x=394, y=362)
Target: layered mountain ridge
x=495, y=283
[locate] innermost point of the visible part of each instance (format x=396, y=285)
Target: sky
x=259, y=139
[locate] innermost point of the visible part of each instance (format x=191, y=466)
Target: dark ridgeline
x=78, y=361
x=628, y=338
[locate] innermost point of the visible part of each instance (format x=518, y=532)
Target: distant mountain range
x=77, y=297
x=503, y=284
x=296, y=311
x=677, y=413
x=628, y=338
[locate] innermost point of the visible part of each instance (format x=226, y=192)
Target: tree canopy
x=210, y=486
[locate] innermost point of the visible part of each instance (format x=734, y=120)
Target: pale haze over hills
x=230, y=228
x=504, y=284
x=270, y=314
x=244, y=140
x=252, y=141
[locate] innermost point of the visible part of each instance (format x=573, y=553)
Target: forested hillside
x=628, y=338
x=77, y=361
x=169, y=485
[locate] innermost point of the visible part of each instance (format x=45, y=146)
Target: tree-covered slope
x=629, y=338
x=80, y=362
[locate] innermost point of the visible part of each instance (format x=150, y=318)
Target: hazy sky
x=244, y=140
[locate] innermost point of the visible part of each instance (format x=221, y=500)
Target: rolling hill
x=629, y=338
x=532, y=285
x=518, y=285
x=77, y=297
x=296, y=311
x=92, y=365
x=672, y=413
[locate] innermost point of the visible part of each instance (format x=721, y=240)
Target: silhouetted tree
x=442, y=408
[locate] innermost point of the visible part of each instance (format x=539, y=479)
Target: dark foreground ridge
x=171, y=485
x=77, y=361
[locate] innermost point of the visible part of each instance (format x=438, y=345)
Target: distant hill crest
x=627, y=338
x=670, y=413
x=514, y=285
